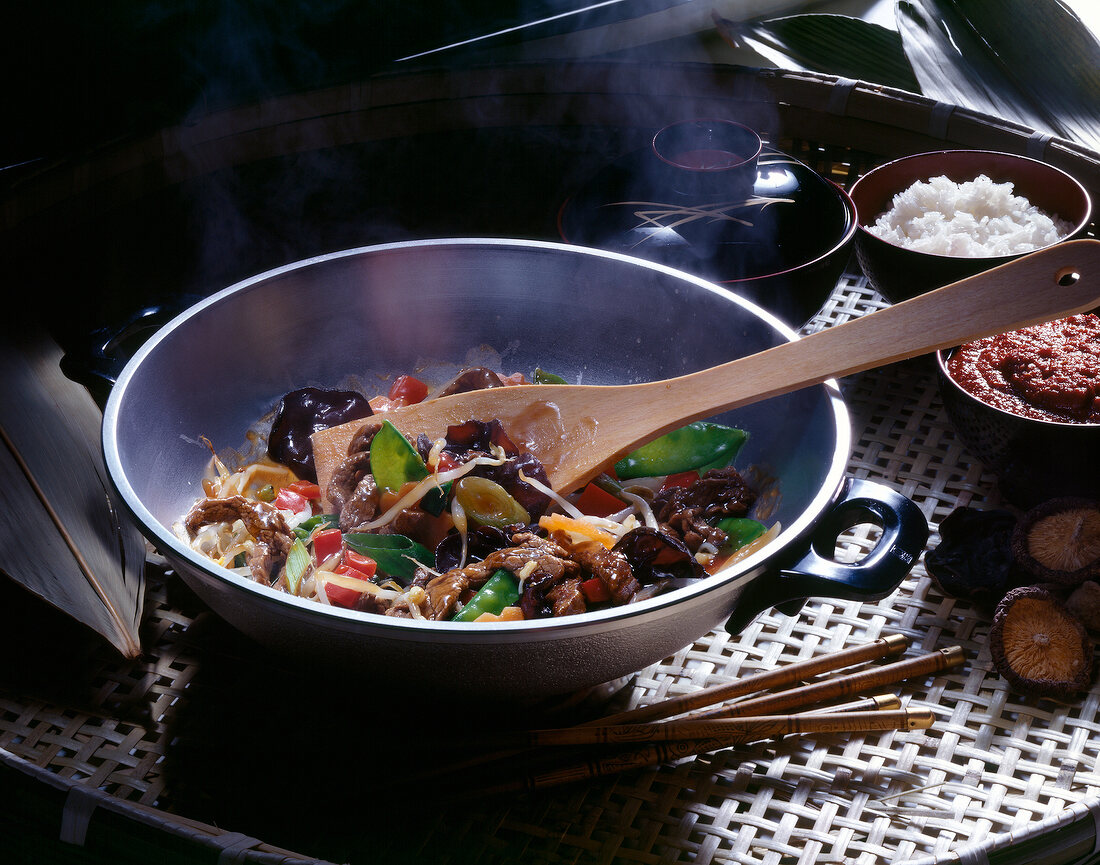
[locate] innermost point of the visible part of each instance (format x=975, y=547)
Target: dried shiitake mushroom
x=1059, y=541
x=1039, y=646
x=973, y=560
x=1084, y=603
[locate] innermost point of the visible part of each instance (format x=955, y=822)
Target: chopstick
x=842, y=686
x=796, y=710
x=733, y=730
x=781, y=677
x=739, y=731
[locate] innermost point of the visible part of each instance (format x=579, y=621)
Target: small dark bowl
x=1034, y=460
x=708, y=199
x=899, y=273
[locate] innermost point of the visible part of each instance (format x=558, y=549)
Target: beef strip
x=346, y=477
x=552, y=565
x=273, y=537
x=444, y=591
x=363, y=437
x=611, y=567
x=683, y=512
x=362, y=506
x=352, y=492
x=566, y=598
x=419, y=525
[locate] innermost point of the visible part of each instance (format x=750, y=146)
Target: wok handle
x=818, y=574
x=98, y=361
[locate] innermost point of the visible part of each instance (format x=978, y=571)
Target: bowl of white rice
x=933, y=218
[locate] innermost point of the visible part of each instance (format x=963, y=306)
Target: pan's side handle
x=98, y=361
x=818, y=574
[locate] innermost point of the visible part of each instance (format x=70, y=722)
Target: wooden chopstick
x=865, y=704
x=515, y=742
x=745, y=730
x=781, y=677
x=848, y=685
x=794, y=700
x=733, y=730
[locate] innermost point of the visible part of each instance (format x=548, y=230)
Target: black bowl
x=1034, y=460
x=899, y=273
x=780, y=237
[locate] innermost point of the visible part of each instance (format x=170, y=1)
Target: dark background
x=78, y=74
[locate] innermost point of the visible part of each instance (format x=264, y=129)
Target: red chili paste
x=1049, y=371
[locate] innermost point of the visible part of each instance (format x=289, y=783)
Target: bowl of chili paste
x=1027, y=404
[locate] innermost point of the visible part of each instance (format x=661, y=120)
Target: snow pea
x=740, y=531
x=544, y=377
x=500, y=590
x=397, y=556
x=304, y=529
x=700, y=446
x=393, y=461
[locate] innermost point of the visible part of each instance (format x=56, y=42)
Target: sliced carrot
x=562, y=523
x=508, y=614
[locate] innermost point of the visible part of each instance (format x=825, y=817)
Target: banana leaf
x=833, y=44
x=63, y=535
x=1032, y=61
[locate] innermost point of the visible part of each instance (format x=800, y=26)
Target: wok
x=361, y=316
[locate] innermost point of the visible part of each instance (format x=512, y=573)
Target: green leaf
x=1031, y=61
x=834, y=44
x=64, y=532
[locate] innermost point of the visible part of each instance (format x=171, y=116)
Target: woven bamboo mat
x=202, y=752
x=168, y=743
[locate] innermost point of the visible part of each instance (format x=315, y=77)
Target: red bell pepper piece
x=327, y=543
x=681, y=479
x=407, y=390
x=595, y=590
x=598, y=502
x=289, y=500
x=343, y=596
x=306, y=489
x=365, y=565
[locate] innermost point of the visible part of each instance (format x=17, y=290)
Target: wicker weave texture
x=994, y=767
x=996, y=773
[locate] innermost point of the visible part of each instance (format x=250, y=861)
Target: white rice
x=972, y=219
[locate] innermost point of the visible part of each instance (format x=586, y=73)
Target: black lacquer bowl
x=899, y=273
x=781, y=238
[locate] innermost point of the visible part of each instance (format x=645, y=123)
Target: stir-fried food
x=466, y=527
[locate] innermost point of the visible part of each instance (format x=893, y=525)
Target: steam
x=293, y=190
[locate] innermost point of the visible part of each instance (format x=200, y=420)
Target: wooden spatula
x=579, y=430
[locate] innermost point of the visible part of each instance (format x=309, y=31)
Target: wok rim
x=165, y=540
